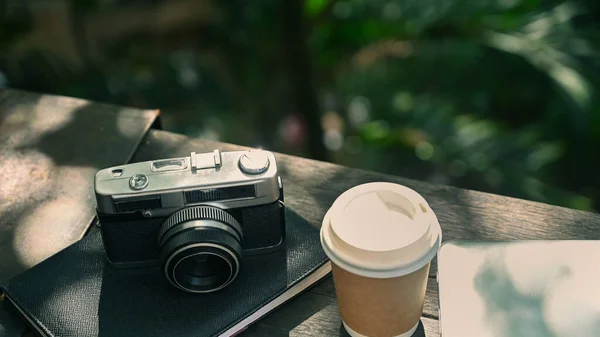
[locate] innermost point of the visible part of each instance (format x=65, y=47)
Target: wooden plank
x=260, y=330
x=312, y=186
x=313, y=314
x=50, y=150
x=430, y=307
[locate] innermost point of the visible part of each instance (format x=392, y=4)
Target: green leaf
x=313, y=8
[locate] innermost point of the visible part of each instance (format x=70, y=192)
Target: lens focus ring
x=200, y=248
x=198, y=213
x=222, y=247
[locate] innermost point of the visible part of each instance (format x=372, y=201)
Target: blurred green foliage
x=493, y=95
x=13, y=23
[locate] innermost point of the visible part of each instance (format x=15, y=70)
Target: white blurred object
x=572, y=307
x=359, y=111
x=333, y=140
x=533, y=275
x=519, y=288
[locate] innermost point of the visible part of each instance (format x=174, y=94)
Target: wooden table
x=312, y=186
x=50, y=150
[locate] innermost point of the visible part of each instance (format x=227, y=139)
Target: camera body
x=195, y=216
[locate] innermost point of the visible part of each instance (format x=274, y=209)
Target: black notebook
x=75, y=293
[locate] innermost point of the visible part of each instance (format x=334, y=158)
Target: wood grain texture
x=312, y=186
x=50, y=150
x=312, y=314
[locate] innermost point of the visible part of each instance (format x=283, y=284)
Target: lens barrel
x=200, y=248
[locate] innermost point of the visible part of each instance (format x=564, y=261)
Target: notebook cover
x=75, y=293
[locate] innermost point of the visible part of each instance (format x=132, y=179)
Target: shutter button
x=254, y=162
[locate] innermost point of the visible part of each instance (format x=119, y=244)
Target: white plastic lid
x=380, y=230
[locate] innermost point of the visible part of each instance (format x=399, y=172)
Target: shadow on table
x=50, y=149
x=420, y=332
x=11, y=262
x=105, y=135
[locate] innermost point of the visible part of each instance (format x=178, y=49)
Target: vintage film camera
x=194, y=216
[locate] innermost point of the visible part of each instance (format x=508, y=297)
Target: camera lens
x=202, y=271
x=201, y=249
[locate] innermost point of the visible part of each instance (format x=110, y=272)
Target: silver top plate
x=171, y=178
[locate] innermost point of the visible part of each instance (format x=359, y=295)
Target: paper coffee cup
x=380, y=238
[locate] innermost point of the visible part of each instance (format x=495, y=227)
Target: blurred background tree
x=492, y=95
